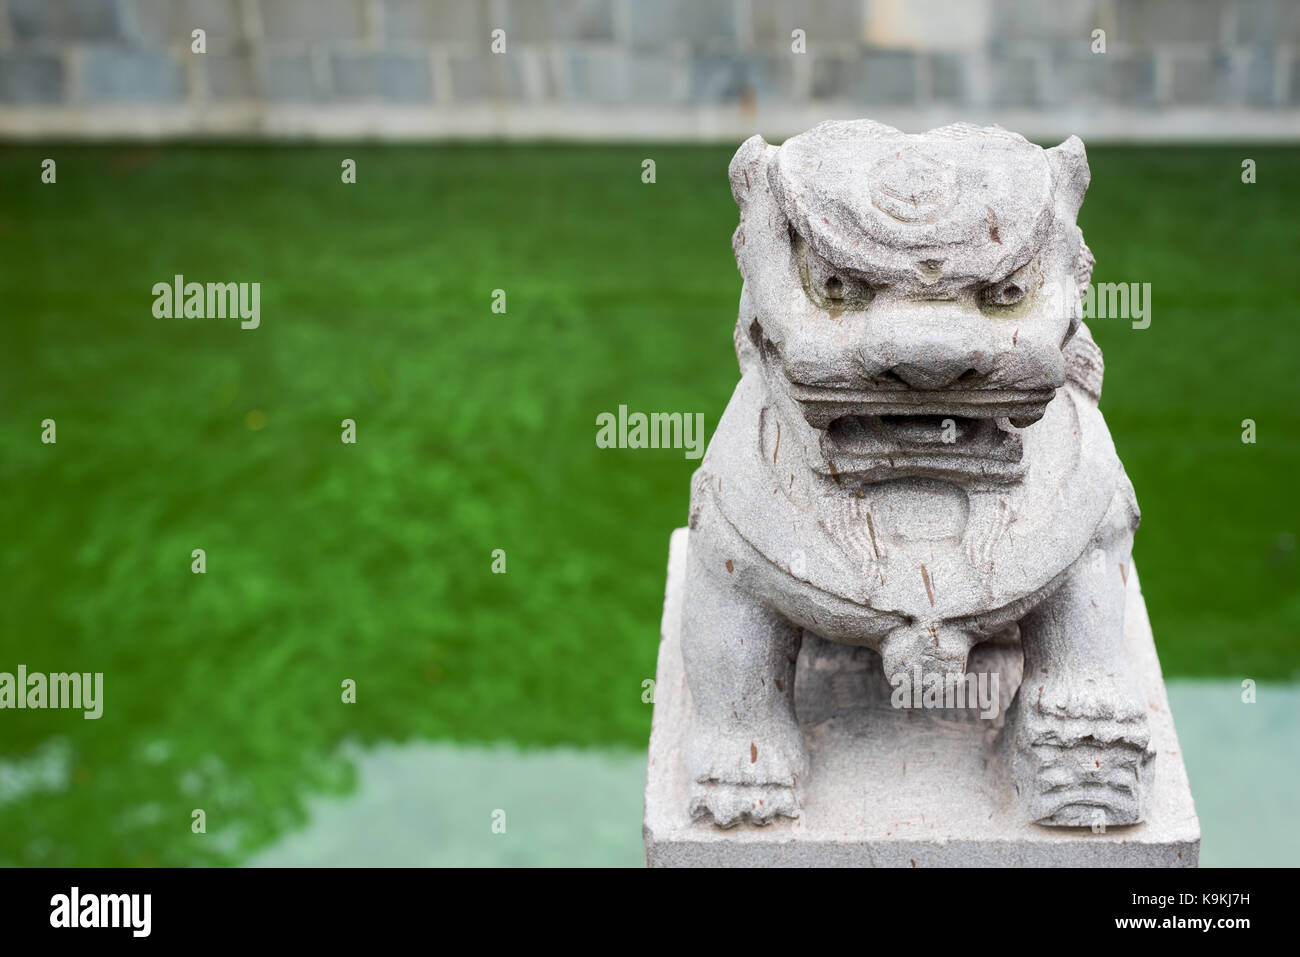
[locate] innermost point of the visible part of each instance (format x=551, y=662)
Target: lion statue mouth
x=959, y=435
x=823, y=406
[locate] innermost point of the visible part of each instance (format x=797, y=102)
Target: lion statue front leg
x=745, y=754
x=1077, y=731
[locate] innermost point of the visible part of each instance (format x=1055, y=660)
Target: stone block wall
x=714, y=69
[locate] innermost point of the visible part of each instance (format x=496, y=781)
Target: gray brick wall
x=662, y=57
x=59, y=21
x=31, y=78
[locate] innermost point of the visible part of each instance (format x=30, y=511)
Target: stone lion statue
x=913, y=461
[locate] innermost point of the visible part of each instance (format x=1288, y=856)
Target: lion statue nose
x=938, y=374
x=926, y=346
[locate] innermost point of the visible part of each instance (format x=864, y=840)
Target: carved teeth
x=823, y=405
x=927, y=428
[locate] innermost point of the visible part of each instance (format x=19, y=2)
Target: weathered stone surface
x=914, y=463
x=902, y=788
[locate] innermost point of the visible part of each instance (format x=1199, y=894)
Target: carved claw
x=736, y=777
x=730, y=804
x=1082, y=756
x=1090, y=784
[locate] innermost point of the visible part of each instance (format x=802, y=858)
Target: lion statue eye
x=828, y=286
x=845, y=289
x=1003, y=294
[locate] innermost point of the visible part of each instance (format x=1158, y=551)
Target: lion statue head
x=912, y=301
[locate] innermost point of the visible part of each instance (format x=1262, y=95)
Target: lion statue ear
x=1070, y=177
x=748, y=169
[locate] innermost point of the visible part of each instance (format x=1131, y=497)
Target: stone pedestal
x=903, y=788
